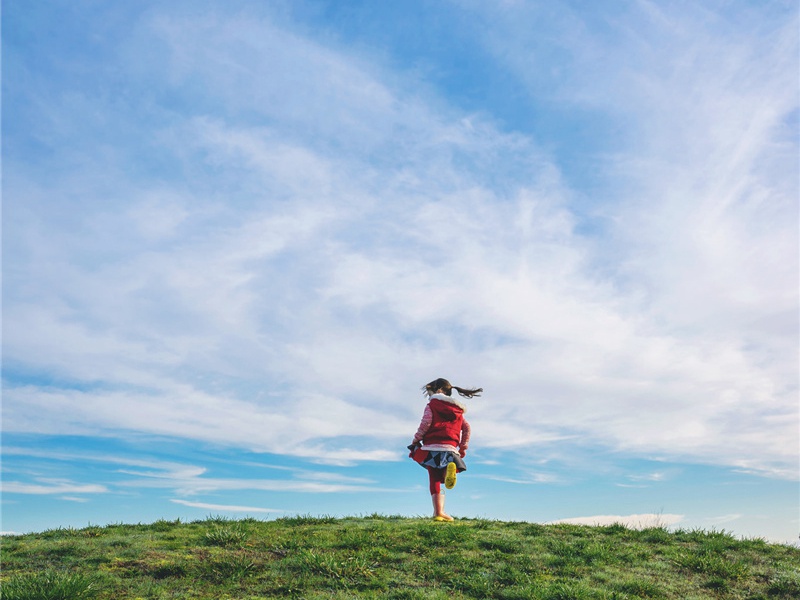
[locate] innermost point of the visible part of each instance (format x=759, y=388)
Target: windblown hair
x=444, y=385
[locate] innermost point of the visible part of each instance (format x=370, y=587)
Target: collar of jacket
x=451, y=400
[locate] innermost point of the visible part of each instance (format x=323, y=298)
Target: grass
x=394, y=558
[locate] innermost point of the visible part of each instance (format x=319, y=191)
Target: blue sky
x=239, y=236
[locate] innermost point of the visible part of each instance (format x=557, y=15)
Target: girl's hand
x=463, y=452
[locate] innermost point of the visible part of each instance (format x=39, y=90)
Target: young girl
x=442, y=439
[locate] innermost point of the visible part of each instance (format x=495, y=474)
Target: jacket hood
x=449, y=399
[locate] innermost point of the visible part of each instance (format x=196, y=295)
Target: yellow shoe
x=450, y=476
x=446, y=519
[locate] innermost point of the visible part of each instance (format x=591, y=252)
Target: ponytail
x=444, y=385
x=468, y=393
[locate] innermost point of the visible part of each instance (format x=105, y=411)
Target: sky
x=239, y=236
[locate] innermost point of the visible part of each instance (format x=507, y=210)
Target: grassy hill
x=392, y=557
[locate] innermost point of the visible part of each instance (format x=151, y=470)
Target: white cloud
x=226, y=507
x=641, y=521
x=724, y=519
x=655, y=476
x=157, y=467
x=51, y=486
x=704, y=348
x=527, y=479
x=189, y=413
x=205, y=485
x=303, y=273
x=181, y=478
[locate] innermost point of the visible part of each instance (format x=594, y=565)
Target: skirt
x=438, y=459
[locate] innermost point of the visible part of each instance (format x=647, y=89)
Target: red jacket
x=443, y=423
x=446, y=424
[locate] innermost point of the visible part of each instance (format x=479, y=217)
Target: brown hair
x=444, y=385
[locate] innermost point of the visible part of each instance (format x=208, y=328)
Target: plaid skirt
x=438, y=459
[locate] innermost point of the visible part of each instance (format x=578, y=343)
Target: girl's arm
x=424, y=425
x=466, y=430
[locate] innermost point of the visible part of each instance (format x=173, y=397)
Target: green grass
x=394, y=558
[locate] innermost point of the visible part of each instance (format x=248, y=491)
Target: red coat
x=446, y=423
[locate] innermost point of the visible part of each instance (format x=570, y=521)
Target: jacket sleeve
x=466, y=430
x=424, y=424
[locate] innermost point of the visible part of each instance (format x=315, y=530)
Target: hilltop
x=392, y=557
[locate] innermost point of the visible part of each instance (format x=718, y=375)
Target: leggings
x=436, y=479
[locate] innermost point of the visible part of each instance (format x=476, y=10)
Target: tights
x=435, y=478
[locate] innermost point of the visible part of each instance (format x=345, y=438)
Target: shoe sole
x=450, y=476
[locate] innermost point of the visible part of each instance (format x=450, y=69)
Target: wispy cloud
x=334, y=268
x=51, y=486
x=185, y=479
x=226, y=507
x=724, y=519
x=156, y=467
x=657, y=476
x=204, y=485
x=642, y=521
x=527, y=479
x=702, y=324
x=201, y=244
x=644, y=480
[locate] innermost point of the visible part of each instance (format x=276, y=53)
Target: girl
x=442, y=439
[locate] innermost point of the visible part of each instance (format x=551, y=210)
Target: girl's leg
x=436, y=477
x=438, y=508
x=435, y=480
